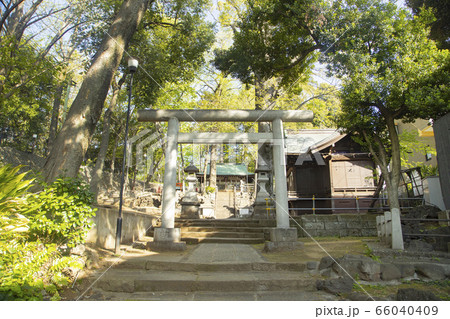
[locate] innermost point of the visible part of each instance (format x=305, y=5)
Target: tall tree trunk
x=154, y=168
x=213, y=167
x=73, y=139
x=396, y=166
x=55, y=118
x=133, y=183
x=387, y=164
x=182, y=168
x=113, y=160
x=14, y=19
x=65, y=80
x=205, y=171
x=97, y=175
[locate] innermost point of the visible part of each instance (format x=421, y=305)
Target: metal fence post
x=357, y=204
x=314, y=204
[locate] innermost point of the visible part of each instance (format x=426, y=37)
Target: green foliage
x=369, y=253
x=431, y=91
x=440, y=288
x=28, y=266
x=409, y=145
x=60, y=214
x=164, y=44
x=385, y=60
x=210, y=189
x=26, y=93
x=271, y=39
x=12, y=187
x=440, y=28
x=428, y=170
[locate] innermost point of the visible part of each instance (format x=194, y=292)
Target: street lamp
x=132, y=67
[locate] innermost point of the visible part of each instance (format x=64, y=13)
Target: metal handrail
x=371, y=198
x=426, y=235
x=314, y=207
x=430, y=220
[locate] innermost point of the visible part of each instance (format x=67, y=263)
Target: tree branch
x=8, y=12
x=57, y=37
x=371, y=149
x=45, y=16
x=382, y=151
x=299, y=60
x=164, y=24
x=315, y=97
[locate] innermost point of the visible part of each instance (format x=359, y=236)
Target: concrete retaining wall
x=134, y=226
x=336, y=225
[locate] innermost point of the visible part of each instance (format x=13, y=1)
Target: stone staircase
x=238, y=231
x=224, y=205
x=222, y=272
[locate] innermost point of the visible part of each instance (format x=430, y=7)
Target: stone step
x=222, y=234
x=225, y=223
x=223, y=229
x=293, y=295
x=220, y=240
x=230, y=224
x=122, y=280
x=226, y=232
x=152, y=265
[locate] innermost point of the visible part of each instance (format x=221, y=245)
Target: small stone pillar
x=397, y=235
x=167, y=237
x=282, y=237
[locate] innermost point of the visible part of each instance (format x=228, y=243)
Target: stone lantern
x=262, y=195
x=190, y=203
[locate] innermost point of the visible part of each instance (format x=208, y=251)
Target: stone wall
x=341, y=225
x=441, y=134
x=134, y=226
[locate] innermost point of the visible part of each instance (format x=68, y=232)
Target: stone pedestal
x=282, y=239
x=167, y=239
x=262, y=195
x=207, y=209
x=190, y=210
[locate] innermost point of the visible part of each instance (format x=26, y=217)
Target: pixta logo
x=145, y=149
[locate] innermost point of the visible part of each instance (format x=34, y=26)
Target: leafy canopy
x=384, y=62
x=271, y=39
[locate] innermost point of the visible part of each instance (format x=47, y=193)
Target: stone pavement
x=224, y=254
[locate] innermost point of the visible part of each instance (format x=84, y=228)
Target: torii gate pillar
x=282, y=237
x=167, y=237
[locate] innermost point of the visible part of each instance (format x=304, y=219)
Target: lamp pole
x=132, y=67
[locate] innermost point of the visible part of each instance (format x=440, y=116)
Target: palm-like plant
x=12, y=187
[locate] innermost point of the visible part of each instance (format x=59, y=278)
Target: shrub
x=61, y=213
x=29, y=268
x=210, y=189
x=30, y=259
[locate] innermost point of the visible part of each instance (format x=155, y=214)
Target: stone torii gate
x=167, y=237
